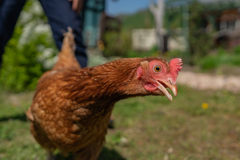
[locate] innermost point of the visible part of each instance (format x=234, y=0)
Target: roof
x=215, y=4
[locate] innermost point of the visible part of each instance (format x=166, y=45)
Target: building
x=228, y=28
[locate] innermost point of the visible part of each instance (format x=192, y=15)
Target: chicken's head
x=157, y=75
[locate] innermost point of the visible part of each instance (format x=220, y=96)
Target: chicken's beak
x=161, y=87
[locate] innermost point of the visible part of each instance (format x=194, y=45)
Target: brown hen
x=72, y=106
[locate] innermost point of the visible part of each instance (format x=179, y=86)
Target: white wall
x=145, y=39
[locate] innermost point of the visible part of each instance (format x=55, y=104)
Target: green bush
x=175, y=54
x=117, y=44
x=22, y=66
x=151, y=53
x=221, y=58
x=209, y=62
x=236, y=50
x=132, y=54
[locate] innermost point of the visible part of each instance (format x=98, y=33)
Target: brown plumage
x=71, y=107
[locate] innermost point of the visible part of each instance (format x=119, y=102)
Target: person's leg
x=9, y=13
x=60, y=16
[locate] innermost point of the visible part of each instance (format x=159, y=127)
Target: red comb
x=176, y=66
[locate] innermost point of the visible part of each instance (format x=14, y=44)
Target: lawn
x=146, y=128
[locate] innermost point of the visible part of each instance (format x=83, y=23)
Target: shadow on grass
x=21, y=117
x=109, y=154
x=106, y=154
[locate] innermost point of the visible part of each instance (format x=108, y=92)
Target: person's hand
x=77, y=5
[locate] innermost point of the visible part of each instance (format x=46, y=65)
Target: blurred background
x=202, y=122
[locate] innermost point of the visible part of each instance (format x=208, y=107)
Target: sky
x=115, y=7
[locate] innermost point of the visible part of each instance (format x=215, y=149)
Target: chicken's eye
x=157, y=68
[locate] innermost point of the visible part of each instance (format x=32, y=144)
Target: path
x=205, y=81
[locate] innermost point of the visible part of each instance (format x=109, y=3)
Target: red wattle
x=150, y=87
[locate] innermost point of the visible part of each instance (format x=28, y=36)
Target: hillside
x=173, y=15
x=144, y=19
x=140, y=19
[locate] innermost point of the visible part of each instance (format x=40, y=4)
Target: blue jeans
x=60, y=16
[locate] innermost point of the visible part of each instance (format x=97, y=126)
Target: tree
x=158, y=14
x=200, y=38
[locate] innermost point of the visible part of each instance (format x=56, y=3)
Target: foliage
x=29, y=52
x=175, y=54
x=117, y=44
x=221, y=58
x=222, y=5
x=151, y=53
x=144, y=19
x=236, y=50
x=200, y=39
x=23, y=66
x=141, y=19
x=173, y=17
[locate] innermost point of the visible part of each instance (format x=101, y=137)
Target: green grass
x=147, y=128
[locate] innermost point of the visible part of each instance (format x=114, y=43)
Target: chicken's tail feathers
x=66, y=57
x=68, y=41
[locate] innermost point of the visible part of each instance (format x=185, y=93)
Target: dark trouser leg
x=60, y=16
x=9, y=13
